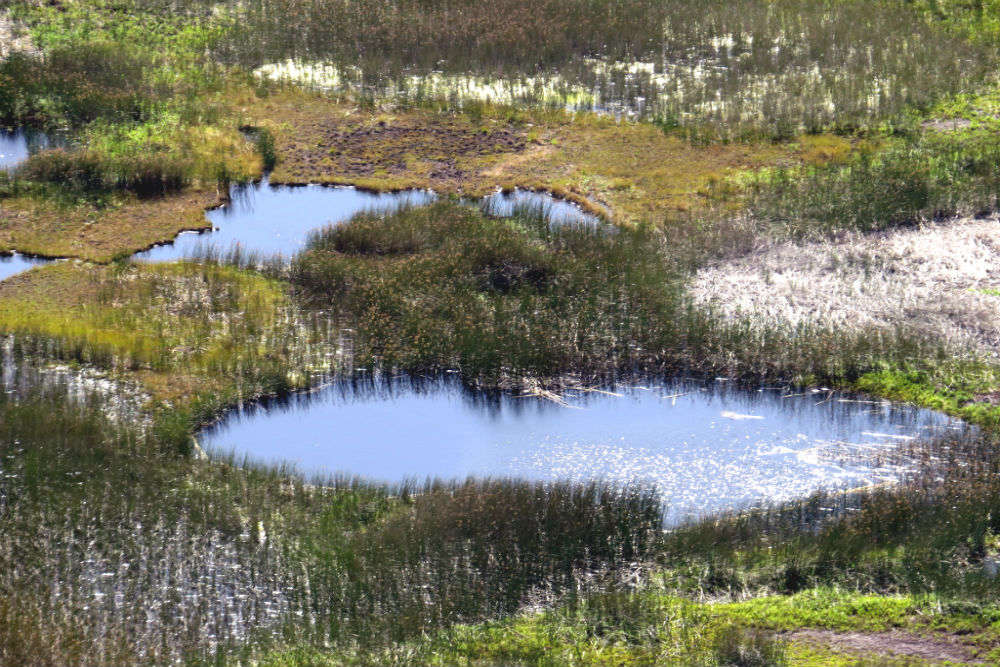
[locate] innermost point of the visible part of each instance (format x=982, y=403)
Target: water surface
x=16, y=145
x=705, y=446
x=15, y=263
x=271, y=219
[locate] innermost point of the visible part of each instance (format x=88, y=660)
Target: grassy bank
x=197, y=337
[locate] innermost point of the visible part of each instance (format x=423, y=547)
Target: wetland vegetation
x=778, y=184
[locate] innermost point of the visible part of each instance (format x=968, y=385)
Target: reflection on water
x=16, y=263
x=705, y=446
x=16, y=145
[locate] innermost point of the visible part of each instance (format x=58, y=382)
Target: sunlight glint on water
x=706, y=447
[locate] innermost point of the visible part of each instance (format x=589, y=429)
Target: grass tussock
x=445, y=287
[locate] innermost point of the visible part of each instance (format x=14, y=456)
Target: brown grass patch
x=635, y=171
x=100, y=234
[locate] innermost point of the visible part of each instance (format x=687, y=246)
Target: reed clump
x=92, y=173
x=931, y=176
x=445, y=287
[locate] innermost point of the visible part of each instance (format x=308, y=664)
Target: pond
x=707, y=446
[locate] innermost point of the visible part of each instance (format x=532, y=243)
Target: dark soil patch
x=894, y=643
x=439, y=152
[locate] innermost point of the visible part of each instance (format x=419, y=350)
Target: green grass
x=826, y=608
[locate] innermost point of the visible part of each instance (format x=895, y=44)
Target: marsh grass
x=80, y=81
x=718, y=70
x=117, y=551
x=92, y=173
x=929, y=177
x=445, y=287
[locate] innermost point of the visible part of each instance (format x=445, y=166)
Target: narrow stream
x=705, y=446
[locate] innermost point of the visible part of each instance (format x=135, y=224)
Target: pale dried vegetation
x=939, y=279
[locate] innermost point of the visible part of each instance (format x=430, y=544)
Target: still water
x=277, y=220
x=16, y=145
x=705, y=446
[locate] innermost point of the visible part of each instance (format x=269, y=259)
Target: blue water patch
x=14, y=263
x=705, y=446
x=16, y=145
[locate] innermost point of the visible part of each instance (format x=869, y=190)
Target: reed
x=716, y=70
x=117, y=551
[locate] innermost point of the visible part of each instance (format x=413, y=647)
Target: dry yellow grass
x=941, y=280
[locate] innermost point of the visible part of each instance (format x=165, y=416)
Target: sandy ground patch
x=941, y=279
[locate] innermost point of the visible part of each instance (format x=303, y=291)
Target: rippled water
x=705, y=446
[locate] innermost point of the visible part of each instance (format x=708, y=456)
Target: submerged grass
x=117, y=551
